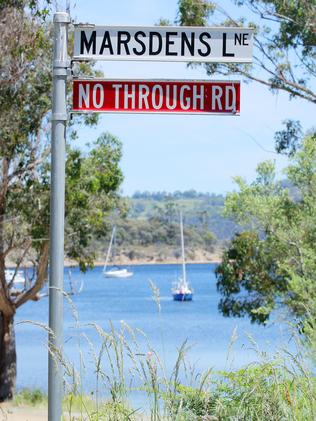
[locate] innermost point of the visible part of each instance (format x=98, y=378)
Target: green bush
x=30, y=397
x=267, y=391
x=191, y=402
x=113, y=411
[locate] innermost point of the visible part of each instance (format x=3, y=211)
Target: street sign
x=156, y=96
x=163, y=43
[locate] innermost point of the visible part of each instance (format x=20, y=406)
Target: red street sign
x=156, y=96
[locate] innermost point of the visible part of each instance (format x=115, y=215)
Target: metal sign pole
x=57, y=209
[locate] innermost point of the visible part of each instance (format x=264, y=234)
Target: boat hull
x=183, y=296
x=18, y=279
x=118, y=274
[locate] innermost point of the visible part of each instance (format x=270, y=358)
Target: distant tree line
x=156, y=232
x=177, y=195
x=204, y=212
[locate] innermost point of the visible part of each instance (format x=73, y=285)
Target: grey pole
x=57, y=212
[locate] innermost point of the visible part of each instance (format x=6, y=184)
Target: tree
x=92, y=179
x=273, y=262
x=284, y=52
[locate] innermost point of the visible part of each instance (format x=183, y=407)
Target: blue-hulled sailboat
x=182, y=290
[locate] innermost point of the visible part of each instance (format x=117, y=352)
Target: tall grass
x=274, y=388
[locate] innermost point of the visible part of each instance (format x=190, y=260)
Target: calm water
x=103, y=300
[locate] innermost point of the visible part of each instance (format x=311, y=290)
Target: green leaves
x=284, y=45
x=194, y=12
x=287, y=140
x=37, y=8
x=92, y=181
x=302, y=172
x=248, y=278
x=273, y=262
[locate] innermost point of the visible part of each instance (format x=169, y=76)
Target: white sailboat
x=182, y=290
x=114, y=271
x=15, y=277
x=74, y=287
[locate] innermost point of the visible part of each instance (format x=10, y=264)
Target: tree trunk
x=7, y=358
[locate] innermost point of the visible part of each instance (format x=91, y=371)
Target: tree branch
x=20, y=171
x=20, y=260
x=40, y=280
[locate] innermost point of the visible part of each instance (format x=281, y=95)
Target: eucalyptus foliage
x=93, y=175
x=284, y=43
x=273, y=261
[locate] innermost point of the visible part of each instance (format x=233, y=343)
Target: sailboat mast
x=182, y=249
x=109, y=250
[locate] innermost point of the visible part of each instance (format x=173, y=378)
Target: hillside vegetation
x=149, y=230
x=201, y=210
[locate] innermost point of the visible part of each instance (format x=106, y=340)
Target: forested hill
x=150, y=230
x=200, y=210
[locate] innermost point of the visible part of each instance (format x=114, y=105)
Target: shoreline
x=70, y=264
x=151, y=257
x=211, y=261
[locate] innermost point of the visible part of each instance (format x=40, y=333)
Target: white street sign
x=163, y=43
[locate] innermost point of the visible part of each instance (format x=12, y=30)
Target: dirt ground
x=9, y=412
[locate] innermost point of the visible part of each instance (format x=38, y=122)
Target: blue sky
x=176, y=152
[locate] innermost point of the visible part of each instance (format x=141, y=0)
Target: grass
x=275, y=388
x=263, y=391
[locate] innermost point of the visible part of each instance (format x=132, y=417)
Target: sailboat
x=15, y=277
x=182, y=290
x=114, y=271
x=74, y=288
x=19, y=281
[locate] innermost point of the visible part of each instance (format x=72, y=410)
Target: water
x=131, y=300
